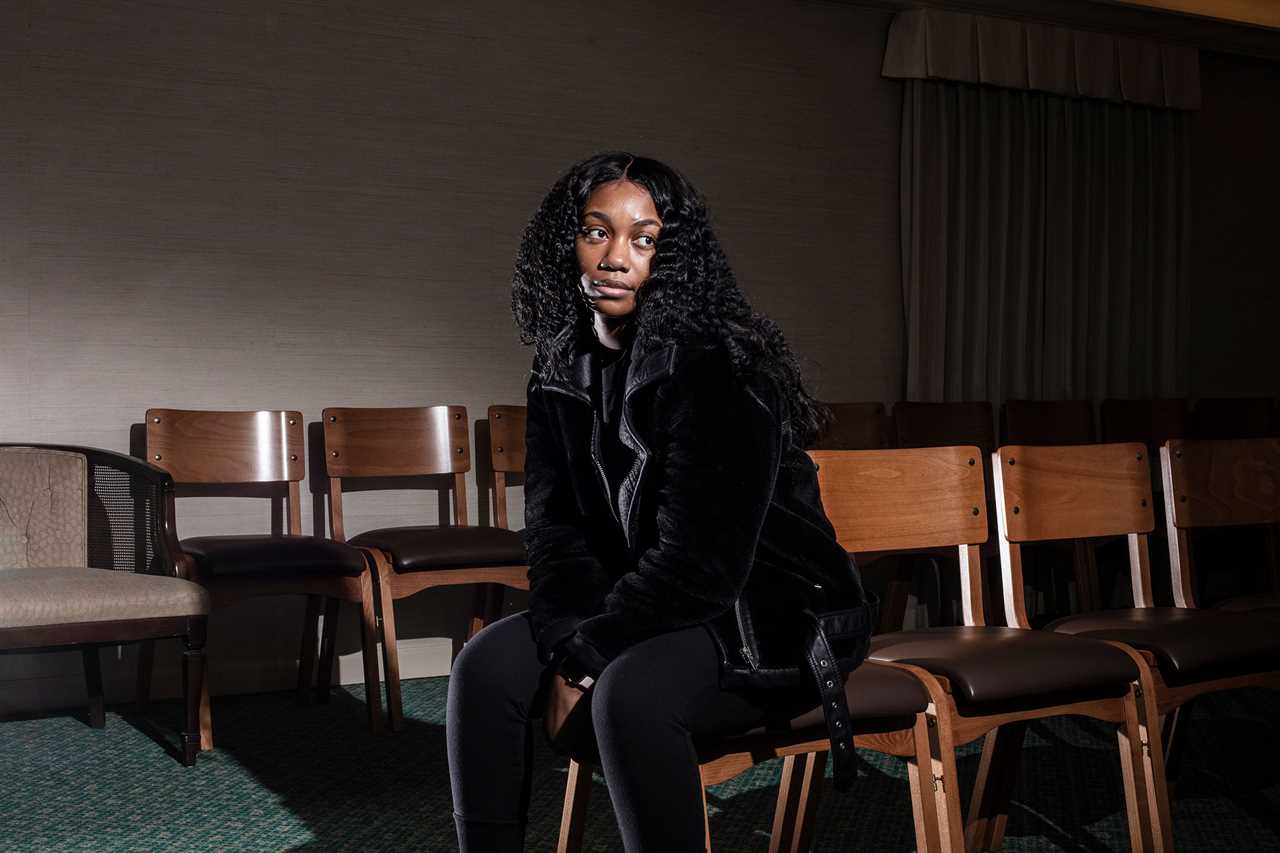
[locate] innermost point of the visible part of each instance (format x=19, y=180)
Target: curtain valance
x=935, y=44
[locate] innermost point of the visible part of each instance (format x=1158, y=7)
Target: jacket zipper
x=742, y=632
x=604, y=479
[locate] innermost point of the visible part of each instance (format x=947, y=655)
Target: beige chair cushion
x=63, y=596
x=42, y=508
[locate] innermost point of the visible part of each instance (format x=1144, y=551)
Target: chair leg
x=935, y=796
x=486, y=608
x=1143, y=768
x=1135, y=803
x=997, y=770
x=146, y=665
x=573, y=817
x=390, y=650
x=788, y=806
x=946, y=781
x=193, y=690
x=308, y=651
x=369, y=644
x=706, y=819
x=93, y=683
x=1174, y=736
x=206, y=712
x=328, y=646
x=812, y=781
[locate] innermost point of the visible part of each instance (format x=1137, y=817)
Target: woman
x=675, y=533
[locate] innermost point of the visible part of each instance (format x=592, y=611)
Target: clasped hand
x=560, y=703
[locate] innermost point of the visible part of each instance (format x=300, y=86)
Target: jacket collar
x=646, y=368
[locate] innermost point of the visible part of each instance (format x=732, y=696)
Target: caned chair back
x=214, y=452
x=910, y=499
x=382, y=447
x=506, y=454
x=1072, y=492
x=1216, y=484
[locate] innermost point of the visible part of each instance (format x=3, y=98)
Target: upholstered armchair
x=89, y=558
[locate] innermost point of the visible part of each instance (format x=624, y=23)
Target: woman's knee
x=625, y=700
x=500, y=655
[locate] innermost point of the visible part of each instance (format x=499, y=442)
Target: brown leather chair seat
x=875, y=694
x=995, y=669
x=428, y=547
x=256, y=556
x=1189, y=645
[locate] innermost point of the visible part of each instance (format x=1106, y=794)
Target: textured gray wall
x=238, y=205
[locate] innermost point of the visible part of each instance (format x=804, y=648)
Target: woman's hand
x=560, y=703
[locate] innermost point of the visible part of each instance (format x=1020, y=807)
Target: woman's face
x=615, y=244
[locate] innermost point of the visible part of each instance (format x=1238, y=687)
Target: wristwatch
x=573, y=674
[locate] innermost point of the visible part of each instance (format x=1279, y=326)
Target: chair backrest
x=1216, y=484
x=1047, y=422
x=506, y=454
x=944, y=425
x=910, y=499
x=1073, y=492
x=1232, y=417
x=1152, y=422
x=44, y=503
x=386, y=446
x=241, y=454
x=856, y=426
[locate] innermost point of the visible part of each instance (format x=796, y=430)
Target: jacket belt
x=835, y=709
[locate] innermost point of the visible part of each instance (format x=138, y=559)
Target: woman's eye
x=593, y=232
x=647, y=241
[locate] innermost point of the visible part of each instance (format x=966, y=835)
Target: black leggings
x=645, y=710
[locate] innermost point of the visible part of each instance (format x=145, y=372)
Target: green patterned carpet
x=291, y=778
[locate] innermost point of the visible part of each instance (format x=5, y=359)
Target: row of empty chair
x=935, y=690
x=1056, y=571
x=871, y=425
x=922, y=693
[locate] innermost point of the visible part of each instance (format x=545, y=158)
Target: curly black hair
x=691, y=295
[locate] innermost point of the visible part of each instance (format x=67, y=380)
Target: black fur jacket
x=718, y=523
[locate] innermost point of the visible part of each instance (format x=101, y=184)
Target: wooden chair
x=892, y=711
x=953, y=424
x=260, y=454
x=401, y=448
x=856, y=426
x=1054, y=564
x=1220, y=484
x=88, y=558
x=996, y=679
x=1152, y=422
x=1047, y=422
x=1232, y=417
x=1072, y=492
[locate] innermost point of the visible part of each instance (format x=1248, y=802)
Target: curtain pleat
x=1043, y=245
